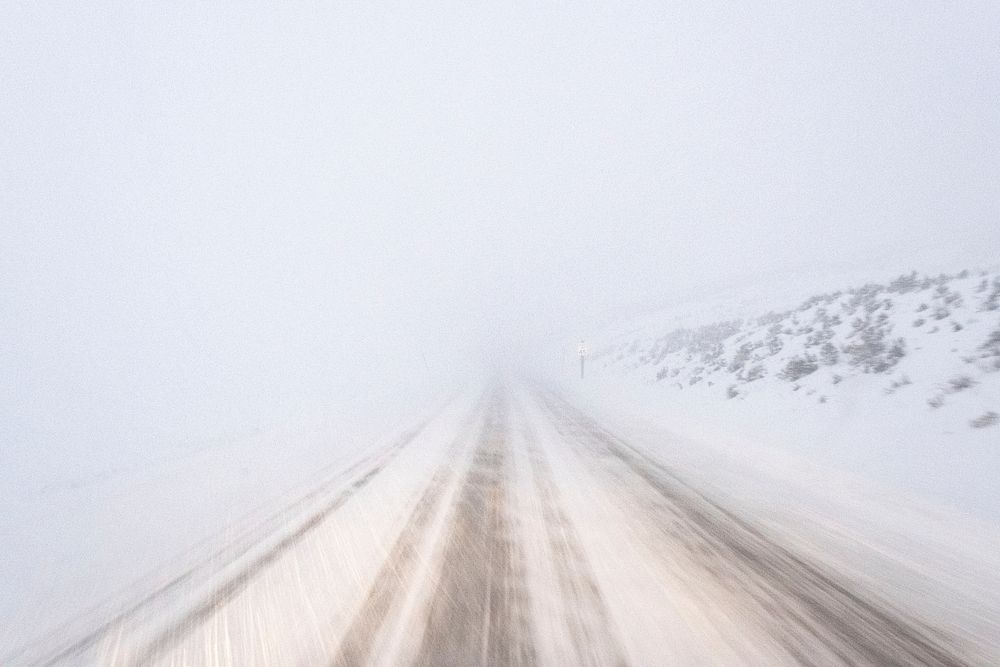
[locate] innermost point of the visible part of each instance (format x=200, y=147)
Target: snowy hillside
x=896, y=381
x=940, y=333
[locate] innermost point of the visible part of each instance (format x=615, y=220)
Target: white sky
x=216, y=213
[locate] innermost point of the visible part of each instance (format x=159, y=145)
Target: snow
x=883, y=473
x=861, y=468
x=879, y=423
x=83, y=539
x=915, y=550
x=276, y=585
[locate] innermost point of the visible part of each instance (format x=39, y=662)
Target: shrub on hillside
x=799, y=367
x=904, y=284
x=771, y=317
x=863, y=294
x=992, y=301
x=774, y=345
x=820, y=337
x=739, y=359
x=829, y=354
x=992, y=345
x=988, y=419
x=873, y=354
x=959, y=383
x=896, y=384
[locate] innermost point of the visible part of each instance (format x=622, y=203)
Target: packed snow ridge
x=936, y=335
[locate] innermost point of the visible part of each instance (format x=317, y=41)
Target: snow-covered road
x=511, y=527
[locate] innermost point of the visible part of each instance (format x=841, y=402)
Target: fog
x=215, y=215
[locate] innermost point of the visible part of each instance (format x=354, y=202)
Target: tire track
x=479, y=614
x=585, y=613
x=397, y=572
x=804, y=606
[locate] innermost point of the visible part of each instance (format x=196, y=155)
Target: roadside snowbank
x=78, y=537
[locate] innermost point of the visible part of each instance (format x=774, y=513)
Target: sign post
x=581, y=349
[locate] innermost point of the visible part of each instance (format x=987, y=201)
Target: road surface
x=511, y=528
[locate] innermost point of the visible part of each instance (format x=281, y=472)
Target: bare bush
x=992, y=301
x=774, y=345
x=829, y=354
x=959, y=383
x=799, y=367
x=991, y=346
x=896, y=384
x=987, y=419
x=904, y=284
x=873, y=354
